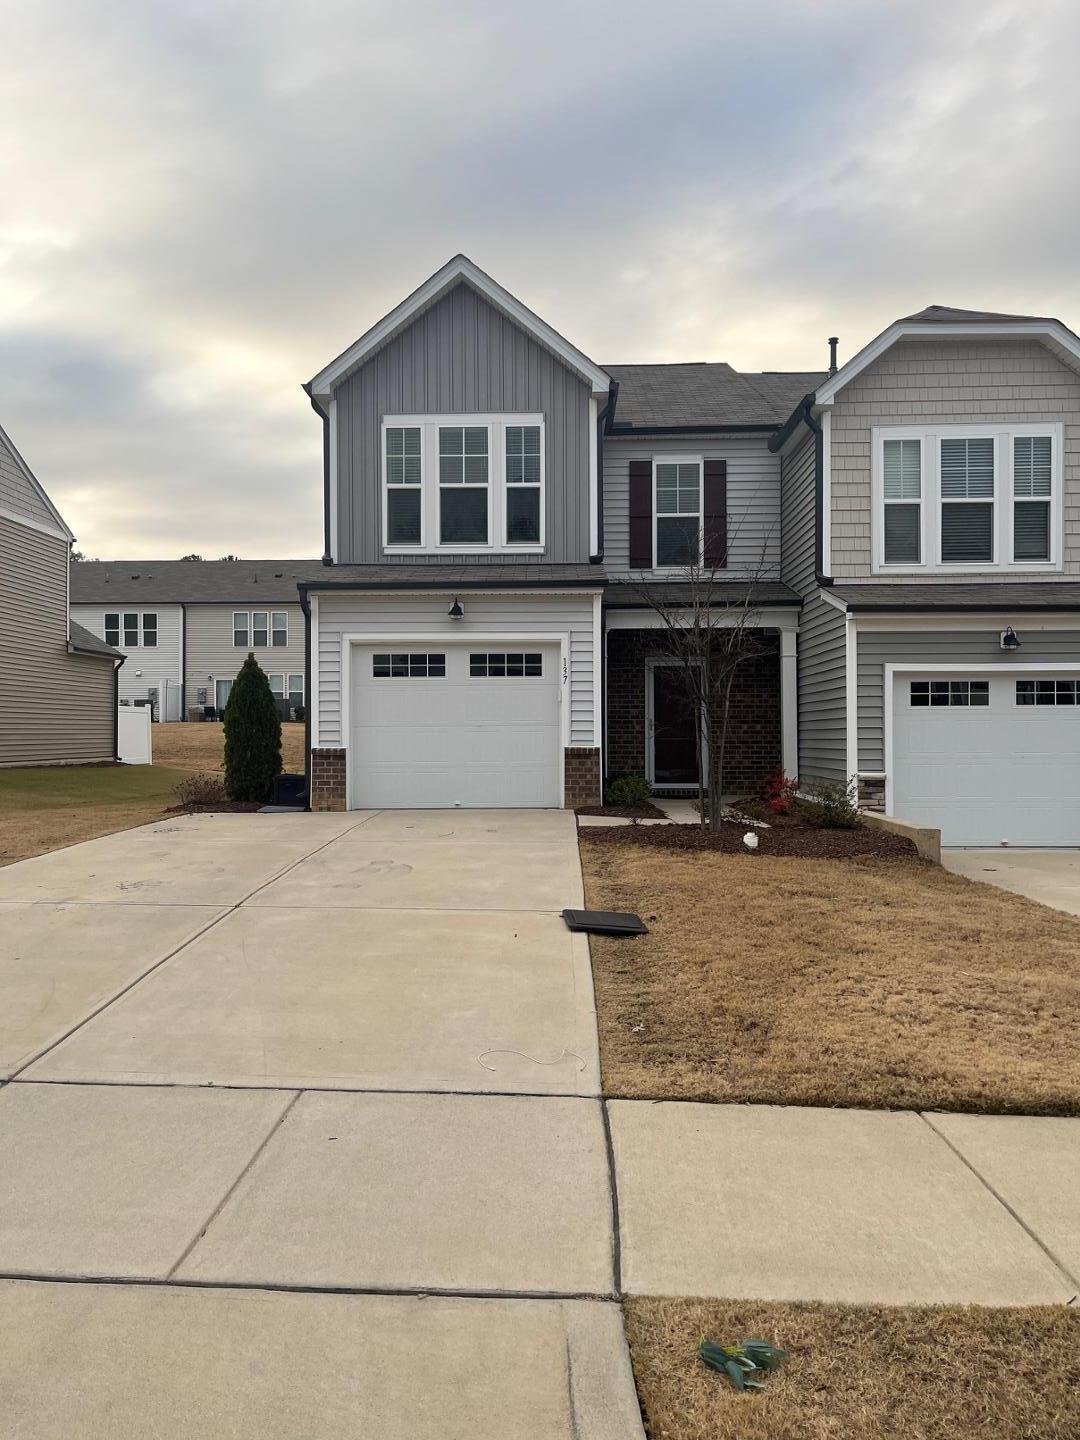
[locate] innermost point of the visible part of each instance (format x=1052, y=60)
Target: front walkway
x=303, y=1136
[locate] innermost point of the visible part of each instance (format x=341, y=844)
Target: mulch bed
x=786, y=837
x=645, y=811
x=222, y=807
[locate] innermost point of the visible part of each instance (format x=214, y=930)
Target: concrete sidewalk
x=257, y=1111
x=1052, y=877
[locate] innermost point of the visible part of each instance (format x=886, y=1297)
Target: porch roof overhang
x=996, y=597
x=724, y=594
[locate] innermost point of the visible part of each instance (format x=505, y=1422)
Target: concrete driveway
x=1050, y=876
x=252, y=1055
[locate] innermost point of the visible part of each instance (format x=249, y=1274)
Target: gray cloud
x=200, y=204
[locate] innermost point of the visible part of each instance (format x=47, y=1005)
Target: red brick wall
x=581, y=771
x=328, y=779
x=753, y=736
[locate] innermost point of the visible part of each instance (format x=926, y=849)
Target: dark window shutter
x=641, y=515
x=716, y=513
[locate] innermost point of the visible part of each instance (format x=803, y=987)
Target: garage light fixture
x=1009, y=639
x=457, y=610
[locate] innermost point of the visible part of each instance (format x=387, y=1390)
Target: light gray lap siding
x=753, y=497
x=951, y=382
x=210, y=651
x=877, y=649
x=526, y=613
x=54, y=706
x=798, y=499
x=144, y=666
x=462, y=357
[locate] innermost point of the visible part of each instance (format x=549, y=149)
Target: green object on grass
x=742, y=1363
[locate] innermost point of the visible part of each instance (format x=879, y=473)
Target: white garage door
x=989, y=758
x=437, y=725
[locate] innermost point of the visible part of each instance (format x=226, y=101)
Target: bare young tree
x=711, y=626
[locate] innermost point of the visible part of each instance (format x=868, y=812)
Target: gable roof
x=704, y=395
x=192, y=582
x=36, y=487
x=940, y=320
x=459, y=270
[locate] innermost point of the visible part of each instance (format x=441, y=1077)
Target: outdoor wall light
x=1009, y=639
x=457, y=610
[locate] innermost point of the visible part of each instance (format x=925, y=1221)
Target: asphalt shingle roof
x=87, y=644
x=948, y=315
x=222, y=582
x=456, y=577
x=706, y=394
x=633, y=597
x=993, y=595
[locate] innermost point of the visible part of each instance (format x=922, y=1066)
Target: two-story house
x=186, y=627
x=58, y=695
x=500, y=509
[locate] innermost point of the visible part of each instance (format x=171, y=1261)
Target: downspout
x=183, y=661
x=116, y=708
x=305, y=606
x=603, y=421
x=819, y=493
x=327, y=557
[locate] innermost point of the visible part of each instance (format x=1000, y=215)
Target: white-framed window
x=130, y=629
x=677, y=512
x=959, y=498
x=466, y=484
x=290, y=687
x=523, y=463
x=260, y=629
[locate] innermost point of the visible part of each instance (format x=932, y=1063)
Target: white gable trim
x=459, y=268
x=38, y=490
x=1051, y=331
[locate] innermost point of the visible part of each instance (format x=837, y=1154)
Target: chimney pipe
x=834, y=340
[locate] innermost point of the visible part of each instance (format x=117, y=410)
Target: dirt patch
x=200, y=745
x=786, y=838
x=645, y=811
x=864, y=981
x=861, y=1372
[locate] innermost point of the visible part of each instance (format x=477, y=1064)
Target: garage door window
x=1048, y=692
x=950, y=692
x=501, y=666
x=408, y=666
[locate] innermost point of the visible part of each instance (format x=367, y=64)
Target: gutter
x=629, y=432
x=327, y=558
x=601, y=427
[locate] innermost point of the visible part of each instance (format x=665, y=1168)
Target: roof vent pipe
x=834, y=340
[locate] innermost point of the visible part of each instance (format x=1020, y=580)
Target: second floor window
x=468, y=483
x=259, y=629
x=463, y=484
x=678, y=514
x=955, y=498
x=130, y=629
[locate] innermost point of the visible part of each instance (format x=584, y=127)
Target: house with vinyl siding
x=501, y=514
x=62, y=710
x=186, y=627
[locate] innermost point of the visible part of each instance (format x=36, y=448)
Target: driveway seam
x=1019, y=1219
x=263, y=1143
x=218, y=919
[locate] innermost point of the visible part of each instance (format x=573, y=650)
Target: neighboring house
x=187, y=626
x=496, y=502
x=58, y=699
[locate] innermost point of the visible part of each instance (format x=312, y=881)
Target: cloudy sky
x=201, y=203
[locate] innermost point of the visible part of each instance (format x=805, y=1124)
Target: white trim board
x=1045, y=330
x=458, y=269
x=905, y=668
x=904, y=622
x=30, y=524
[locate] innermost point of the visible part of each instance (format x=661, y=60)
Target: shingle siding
x=950, y=382
x=55, y=707
x=462, y=356
x=18, y=493
x=753, y=498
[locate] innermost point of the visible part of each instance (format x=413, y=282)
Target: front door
x=675, y=729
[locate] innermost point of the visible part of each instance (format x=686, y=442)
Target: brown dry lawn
x=864, y=982
x=861, y=1373
x=47, y=807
